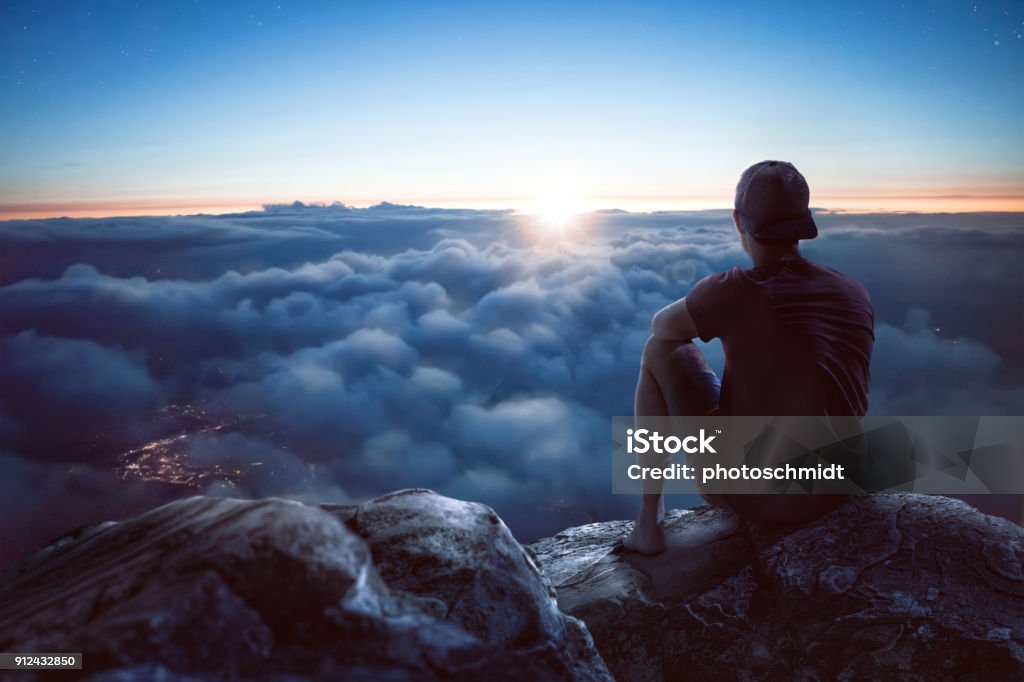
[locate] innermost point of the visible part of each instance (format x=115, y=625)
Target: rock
x=411, y=586
x=464, y=556
x=898, y=586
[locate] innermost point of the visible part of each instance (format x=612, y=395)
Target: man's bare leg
x=648, y=534
x=674, y=380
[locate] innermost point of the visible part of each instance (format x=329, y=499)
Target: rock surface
x=416, y=586
x=887, y=587
x=409, y=586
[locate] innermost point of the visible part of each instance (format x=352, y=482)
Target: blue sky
x=113, y=106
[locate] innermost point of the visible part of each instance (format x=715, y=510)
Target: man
x=797, y=338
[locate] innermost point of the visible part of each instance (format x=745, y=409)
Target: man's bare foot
x=646, y=538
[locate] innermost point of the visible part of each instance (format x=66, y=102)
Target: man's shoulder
x=762, y=278
x=851, y=285
x=717, y=287
x=724, y=277
x=803, y=269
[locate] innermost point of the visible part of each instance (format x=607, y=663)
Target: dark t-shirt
x=797, y=338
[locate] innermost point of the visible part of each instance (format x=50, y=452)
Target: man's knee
x=658, y=351
x=687, y=384
x=673, y=356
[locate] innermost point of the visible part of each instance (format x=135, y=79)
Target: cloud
x=62, y=397
x=919, y=371
x=330, y=353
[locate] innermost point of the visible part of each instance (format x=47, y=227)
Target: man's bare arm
x=673, y=322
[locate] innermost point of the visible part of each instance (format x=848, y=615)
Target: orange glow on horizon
x=844, y=202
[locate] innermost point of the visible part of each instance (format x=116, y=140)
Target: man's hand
x=673, y=323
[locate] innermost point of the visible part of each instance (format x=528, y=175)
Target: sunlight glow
x=557, y=216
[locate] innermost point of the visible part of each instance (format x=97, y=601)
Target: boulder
x=897, y=586
x=410, y=586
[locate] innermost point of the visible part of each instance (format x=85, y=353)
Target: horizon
x=948, y=204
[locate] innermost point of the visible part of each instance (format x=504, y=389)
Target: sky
x=113, y=108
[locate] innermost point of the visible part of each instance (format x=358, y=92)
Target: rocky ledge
x=416, y=586
x=409, y=586
x=887, y=587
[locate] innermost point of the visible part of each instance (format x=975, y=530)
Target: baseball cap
x=772, y=198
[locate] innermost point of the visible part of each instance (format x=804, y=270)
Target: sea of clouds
x=356, y=351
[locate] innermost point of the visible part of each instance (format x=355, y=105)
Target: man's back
x=797, y=337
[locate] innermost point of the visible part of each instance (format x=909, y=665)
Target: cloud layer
x=329, y=353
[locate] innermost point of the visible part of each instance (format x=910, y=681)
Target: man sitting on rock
x=797, y=338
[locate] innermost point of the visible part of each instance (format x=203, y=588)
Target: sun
x=556, y=216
